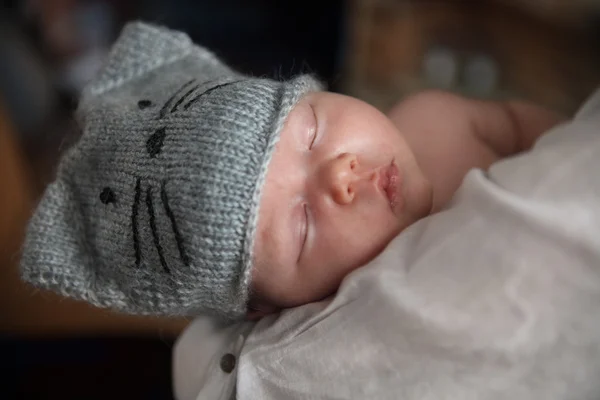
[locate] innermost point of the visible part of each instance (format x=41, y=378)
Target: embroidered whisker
x=155, y=236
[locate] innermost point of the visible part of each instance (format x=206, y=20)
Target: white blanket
x=498, y=297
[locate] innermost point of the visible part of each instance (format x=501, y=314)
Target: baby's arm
x=450, y=134
x=510, y=127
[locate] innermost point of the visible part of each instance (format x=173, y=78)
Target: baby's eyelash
x=305, y=228
x=315, y=130
x=312, y=139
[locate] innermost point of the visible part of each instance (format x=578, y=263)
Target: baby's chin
x=300, y=297
x=419, y=200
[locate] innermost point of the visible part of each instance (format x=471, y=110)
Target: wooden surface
x=554, y=65
x=26, y=311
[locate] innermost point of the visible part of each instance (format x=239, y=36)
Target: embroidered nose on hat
x=154, y=209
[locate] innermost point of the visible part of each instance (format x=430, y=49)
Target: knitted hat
x=154, y=210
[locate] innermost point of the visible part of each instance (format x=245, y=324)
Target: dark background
x=378, y=50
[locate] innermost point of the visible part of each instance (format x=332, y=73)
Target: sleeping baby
x=198, y=190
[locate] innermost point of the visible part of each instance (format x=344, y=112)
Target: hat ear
x=141, y=48
x=56, y=253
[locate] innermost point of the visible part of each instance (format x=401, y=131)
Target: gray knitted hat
x=154, y=209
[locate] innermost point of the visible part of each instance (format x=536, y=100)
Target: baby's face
x=341, y=184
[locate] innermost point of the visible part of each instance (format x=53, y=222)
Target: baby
x=197, y=190
x=346, y=179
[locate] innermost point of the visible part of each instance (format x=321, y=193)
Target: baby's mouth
x=389, y=182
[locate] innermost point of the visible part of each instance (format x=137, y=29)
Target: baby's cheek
x=366, y=235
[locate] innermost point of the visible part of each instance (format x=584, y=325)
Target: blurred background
x=378, y=50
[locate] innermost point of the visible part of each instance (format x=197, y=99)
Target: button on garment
x=228, y=363
x=206, y=358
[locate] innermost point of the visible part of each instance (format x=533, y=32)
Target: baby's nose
x=341, y=176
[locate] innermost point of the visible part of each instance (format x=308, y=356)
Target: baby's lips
x=383, y=179
x=392, y=187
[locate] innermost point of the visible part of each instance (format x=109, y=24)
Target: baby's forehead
x=297, y=106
